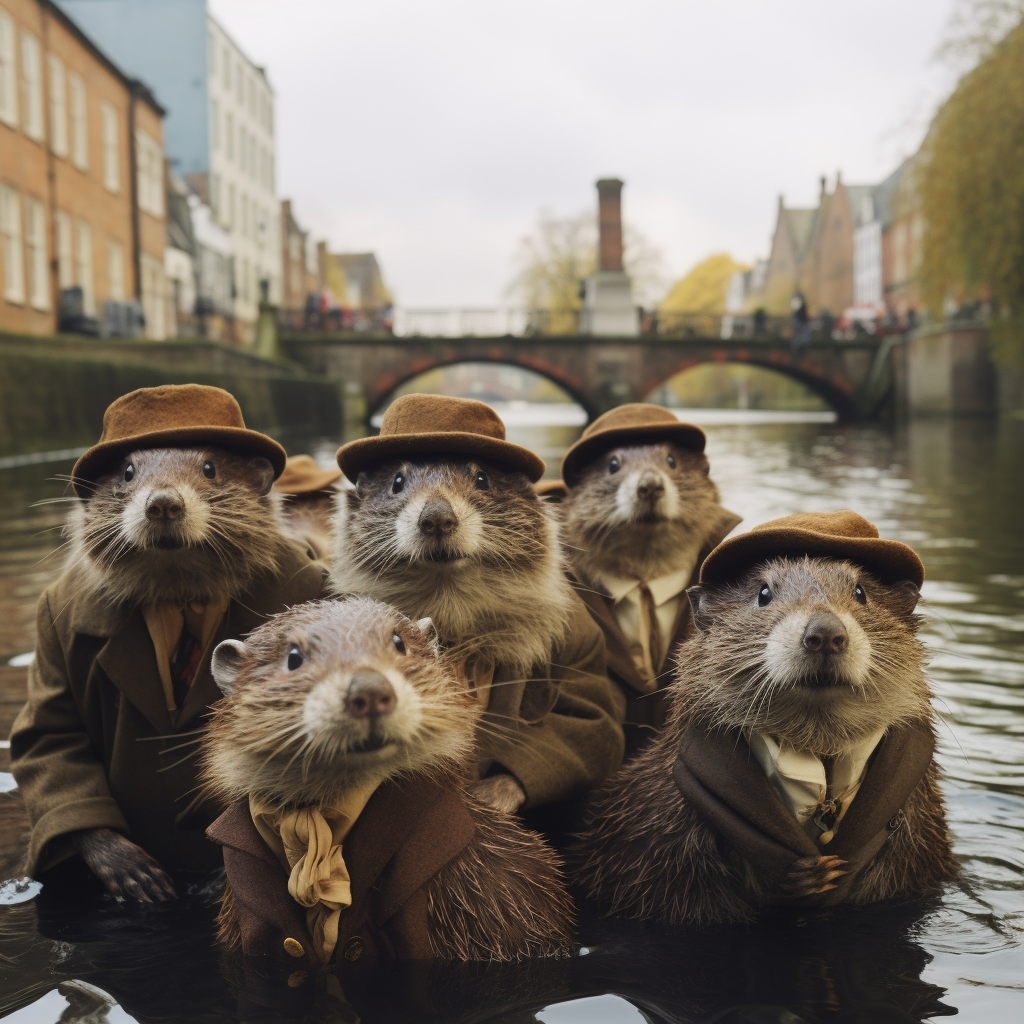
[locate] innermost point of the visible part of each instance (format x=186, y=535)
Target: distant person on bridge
x=801, y=327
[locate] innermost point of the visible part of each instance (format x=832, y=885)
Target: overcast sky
x=434, y=132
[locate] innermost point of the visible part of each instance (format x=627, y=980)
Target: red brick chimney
x=609, y=219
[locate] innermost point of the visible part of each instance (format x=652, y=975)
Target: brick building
x=81, y=177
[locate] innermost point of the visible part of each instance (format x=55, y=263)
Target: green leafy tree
x=970, y=182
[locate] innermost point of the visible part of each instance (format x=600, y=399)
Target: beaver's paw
x=502, y=792
x=811, y=875
x=126, y=870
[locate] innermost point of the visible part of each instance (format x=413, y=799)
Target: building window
x=226, y=61
x=115, y=270
x=8, y=72
x=83, y=267
x=253, y=170
x=35, y=237
x=149, y=159
x=10, y=232
x=229, y=134
x=240, y=84
x=79, y=126
x=65, y=252
x=245, y=280
x=58, y=108
x=111, y=163
x=242, y=155
x=231, y=206
x=245, y=215
x=215, y=195
x=32, y=86
x=252, y=97
x=211, y=43
x=214, y=124
x=153, y=299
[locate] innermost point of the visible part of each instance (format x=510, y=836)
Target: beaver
x=347, y=707
x=443, y=522
x=175, y=541
x=796, y=765
x=308, y=494
x=639, y=514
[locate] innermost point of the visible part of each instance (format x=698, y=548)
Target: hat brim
x=584, y=451
x=890, y=560
x=319, y=481
x=236, y=439
x=367, y=452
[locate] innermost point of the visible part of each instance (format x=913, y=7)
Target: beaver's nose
x=164, y=505
x=438, y=518
x=826, y=634
x=370, y=695
x=651, y=485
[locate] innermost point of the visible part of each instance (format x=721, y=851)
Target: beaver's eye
x=858, y=592
x=399, y=643
x=482, y=483
x=671, y=460
x=209, y=470
x=399, y=483
x=129, y=473
x=764, y=595
x=295, y=659
x=614, y=465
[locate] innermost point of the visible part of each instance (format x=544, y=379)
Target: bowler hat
x=436, y=424
x=172, y=416
x=837, y=534
x=635, y=423
x=303, y=476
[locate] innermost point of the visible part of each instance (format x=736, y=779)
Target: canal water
x=954, y=489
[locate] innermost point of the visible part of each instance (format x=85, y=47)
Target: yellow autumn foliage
x=703, y=289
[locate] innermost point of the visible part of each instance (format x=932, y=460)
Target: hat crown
x=439, y=414
x=170, y=407
x=833, y=524
x=632, y=414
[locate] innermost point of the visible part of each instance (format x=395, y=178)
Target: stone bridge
x=853, y=377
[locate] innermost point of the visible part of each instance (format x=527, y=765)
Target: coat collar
x=620, y=661
x=718, y=775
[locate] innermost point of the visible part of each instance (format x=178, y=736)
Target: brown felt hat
x=838, y=534
x=436, y=424
x=172, y=416
x=635, y=423
x=303, y=476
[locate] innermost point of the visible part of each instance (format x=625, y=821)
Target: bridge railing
x=491, y=322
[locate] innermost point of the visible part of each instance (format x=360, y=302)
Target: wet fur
x=504, y=896
x=609, y=531
x=230, y=530
x=506, y=600
x=646, y=854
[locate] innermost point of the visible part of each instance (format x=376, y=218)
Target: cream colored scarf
x=307, y=842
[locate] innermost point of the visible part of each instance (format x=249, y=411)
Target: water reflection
x=952, y=488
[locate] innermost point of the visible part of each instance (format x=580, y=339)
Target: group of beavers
x=359, y=697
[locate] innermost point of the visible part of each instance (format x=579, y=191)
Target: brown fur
x=499, y=590
x=229, y=529
x=647, y=854
x=284, y=737
x=610, y=529
x=307, y=519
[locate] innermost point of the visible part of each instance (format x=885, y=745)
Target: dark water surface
x=954, y=489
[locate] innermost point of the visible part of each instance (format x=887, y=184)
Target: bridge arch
x=834, y=390
x=385, y=388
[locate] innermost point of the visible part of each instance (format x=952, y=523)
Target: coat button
x=294, y=948
x=297, y=978
x=353, y=949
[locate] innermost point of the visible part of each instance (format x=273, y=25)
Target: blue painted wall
x=162, y=43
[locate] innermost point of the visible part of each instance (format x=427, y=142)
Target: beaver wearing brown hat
x=176, y=543
x=443, y=522
x=640, y=514
x=797, y=763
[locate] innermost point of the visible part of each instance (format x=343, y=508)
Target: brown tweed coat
x=95, y=745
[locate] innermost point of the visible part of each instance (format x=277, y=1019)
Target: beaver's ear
x=903, y=598
x=429, y=630
x=699, y=605
x=226, y=664
x=264, y=473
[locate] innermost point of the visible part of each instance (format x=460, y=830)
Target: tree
x=703, y=289
x=970, y=183
x=562, y=251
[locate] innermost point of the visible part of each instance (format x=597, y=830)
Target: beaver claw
x=126, y=870
x=811, y=875
x=502, y=792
